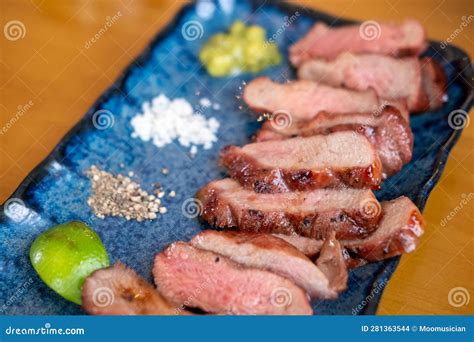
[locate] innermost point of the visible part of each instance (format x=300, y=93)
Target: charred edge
x=215, y=212
x=347, y=225
x=254, y=176
x=404, y=241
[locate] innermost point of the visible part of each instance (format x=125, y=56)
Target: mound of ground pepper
x=119, y=195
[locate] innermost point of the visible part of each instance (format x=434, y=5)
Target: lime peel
x=65, y=255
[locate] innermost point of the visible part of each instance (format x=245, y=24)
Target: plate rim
x=459, y=55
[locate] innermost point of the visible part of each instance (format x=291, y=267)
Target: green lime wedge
x=65, y=255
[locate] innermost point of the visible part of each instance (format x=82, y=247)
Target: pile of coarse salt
x=164, y=120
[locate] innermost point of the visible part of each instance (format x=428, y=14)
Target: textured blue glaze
x=57, y=190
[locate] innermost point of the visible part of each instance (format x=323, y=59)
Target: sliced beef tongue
x=322, y=41
x=267, y=252
x=391, y=78
x=323, y=122
x=388, y=131
x=350, y=213
x=303, y=99
x=398, y=233
x=118, y=290
x=323, y=161
x=197, y=278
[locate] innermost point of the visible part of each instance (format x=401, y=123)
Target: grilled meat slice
x=391, y=78
x=194, y=277
x=297, y=164
x=322, y=41
x=398, y=233
x=388, y=131
x=267, y=252
x=303, y=99
x=351, y=213
x=118, y=290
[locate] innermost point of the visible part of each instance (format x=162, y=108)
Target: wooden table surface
x=49, y=73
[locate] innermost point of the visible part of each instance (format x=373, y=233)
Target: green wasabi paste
x=242, y=49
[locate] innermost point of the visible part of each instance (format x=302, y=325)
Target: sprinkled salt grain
x=216, y=106
x=164, y=120
x=205, y=9
x=193, y=150
x=205, y=102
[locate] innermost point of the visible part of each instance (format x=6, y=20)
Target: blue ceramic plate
x=57, y=190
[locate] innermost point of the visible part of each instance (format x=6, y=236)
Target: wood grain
x=51, y=71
